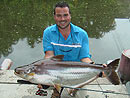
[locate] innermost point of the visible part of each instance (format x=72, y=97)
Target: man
x=63, y=33
x=64, y=38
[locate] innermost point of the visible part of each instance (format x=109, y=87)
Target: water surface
x=23, y=21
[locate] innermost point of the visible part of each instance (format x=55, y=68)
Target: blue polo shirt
x=54, y=41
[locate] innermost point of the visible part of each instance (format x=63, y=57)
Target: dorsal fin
x=57, y=58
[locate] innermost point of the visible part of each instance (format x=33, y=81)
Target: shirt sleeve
x=84, y=52
x=47, y=46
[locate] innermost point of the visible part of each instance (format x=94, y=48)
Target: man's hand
x=43, y=86
x=39, y=86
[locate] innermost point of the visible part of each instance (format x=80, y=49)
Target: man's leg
x=56, y=93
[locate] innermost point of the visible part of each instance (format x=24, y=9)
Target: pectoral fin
x=31, y=74
x=58, y=87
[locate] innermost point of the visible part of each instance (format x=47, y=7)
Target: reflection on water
x=23, y=54
x=22, y=23
x=113, y=43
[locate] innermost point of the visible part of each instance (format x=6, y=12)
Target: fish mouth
x=24, y=76
x=19, y=75
x=16, y=73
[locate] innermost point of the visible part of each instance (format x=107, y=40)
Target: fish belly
x=44, y=79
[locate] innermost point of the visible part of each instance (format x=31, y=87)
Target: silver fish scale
x=73, y=76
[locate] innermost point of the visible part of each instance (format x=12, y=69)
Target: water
x=113, y=43
x=22, y=23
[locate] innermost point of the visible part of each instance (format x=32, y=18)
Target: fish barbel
x=65, y=73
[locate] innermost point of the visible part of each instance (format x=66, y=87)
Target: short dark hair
x=61, y=4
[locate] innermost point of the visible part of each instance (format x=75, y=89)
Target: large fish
x=54, y=71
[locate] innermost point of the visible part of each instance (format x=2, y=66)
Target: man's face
x=62, y=17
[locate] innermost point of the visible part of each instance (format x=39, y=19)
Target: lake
x=22, y=23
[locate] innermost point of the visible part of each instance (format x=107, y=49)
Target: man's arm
x=49, y=54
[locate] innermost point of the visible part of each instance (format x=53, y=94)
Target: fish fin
x=58, y=87
x=57, y=58
x=31, y=74
x=114, y=64
x=112, y=76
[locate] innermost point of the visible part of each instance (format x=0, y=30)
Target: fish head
x=28, y=72
x=38, y=67
x=25, y=72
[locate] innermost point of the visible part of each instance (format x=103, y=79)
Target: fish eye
x=28, y=71
x=33, y=68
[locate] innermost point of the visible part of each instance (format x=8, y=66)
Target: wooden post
x=124, y=67
x=6, y=64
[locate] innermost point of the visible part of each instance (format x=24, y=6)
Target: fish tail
x=112, y=76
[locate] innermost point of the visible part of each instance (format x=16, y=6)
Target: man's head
x=62, y=4
x=62, y=15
